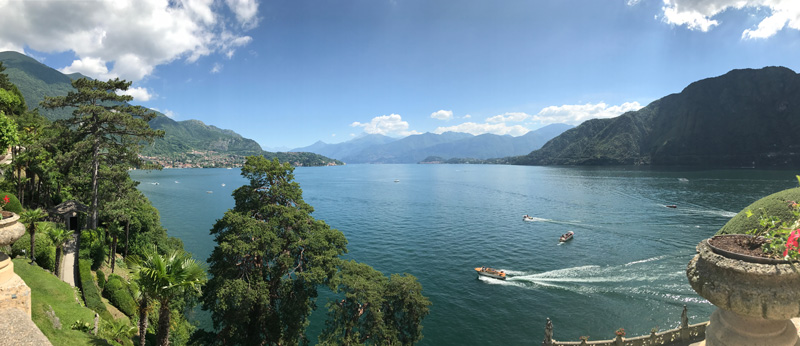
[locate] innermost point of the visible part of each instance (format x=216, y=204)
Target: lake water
x=624, y=268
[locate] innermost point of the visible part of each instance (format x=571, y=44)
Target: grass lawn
x=48, y=291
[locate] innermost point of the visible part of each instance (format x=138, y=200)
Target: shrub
x=13, y=203
x=93, y=248
x=101, y=280
x=45, y=251
x=90, y=293
x=118, y=293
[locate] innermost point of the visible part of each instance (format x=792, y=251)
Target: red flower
x=6, y=199
x=791, y=243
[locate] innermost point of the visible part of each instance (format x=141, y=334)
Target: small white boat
x=154, y=183
x=491, y=272
x=566, y=236
x=209, y=191
x=397, y=180
x=176, y=182
x=223, y=184
x=528, y=218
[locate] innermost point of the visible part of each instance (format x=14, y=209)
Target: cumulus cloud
x=479, y=129
x=387, y=125
x=698, y=15
x=127, y=38
x=442, y=115
x=508, y=117
x=576, y=114
x=139, y=94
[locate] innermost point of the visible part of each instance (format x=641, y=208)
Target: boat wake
x=649, y=277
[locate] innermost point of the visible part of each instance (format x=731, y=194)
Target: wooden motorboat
x=491, y=272
x=566, y=236
x=671, y=206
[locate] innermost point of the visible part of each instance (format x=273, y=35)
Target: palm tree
x=118, y=331
x=162, y=278
x=30, y=218
x=59, y=236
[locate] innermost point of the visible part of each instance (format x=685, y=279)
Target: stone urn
x=10, y=230
x=755, y=301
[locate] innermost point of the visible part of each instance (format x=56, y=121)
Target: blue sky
x=289, y=73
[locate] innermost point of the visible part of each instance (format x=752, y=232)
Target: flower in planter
x=620, y=332
x=792, y=244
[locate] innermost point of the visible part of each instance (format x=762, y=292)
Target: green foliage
x=93, y=247
x=13, y=203
x=118, y=332
x=91, y=295
x=773, y=205
x=101, y=280
x=8, y=130
x=271, y=256
x=374, y=309
x=118, y=293
x=45, y=250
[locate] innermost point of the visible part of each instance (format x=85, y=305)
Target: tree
x=164, y=278
x=270, y=257
x=104, y=123
x=59, y=236
x=30, y=218
x=374, y=310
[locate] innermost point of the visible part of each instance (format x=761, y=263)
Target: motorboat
x=673, y=206
x=491, y=272
x=566, y=236
x=528, y=218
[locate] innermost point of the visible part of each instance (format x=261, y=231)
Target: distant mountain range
x=745, y=118
x=415, y=148
x=188, y=140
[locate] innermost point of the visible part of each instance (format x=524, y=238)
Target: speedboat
x=491, y=272
x=566, y=236
x=673, y=206
x=527, y=218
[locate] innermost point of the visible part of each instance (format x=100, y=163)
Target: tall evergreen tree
x=104, y=122
x=271, y=256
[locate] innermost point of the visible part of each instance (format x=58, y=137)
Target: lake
x=625, y=267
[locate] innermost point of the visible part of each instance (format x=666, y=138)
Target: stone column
x=755, y=302
x=14, y=293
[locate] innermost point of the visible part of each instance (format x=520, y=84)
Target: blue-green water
x=624, y=268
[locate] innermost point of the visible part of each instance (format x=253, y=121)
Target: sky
x=288, y=73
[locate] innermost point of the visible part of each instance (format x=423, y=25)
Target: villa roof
x=68, y=207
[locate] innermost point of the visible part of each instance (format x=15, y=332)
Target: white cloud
x=386, y=125
x=698, y=14
x=467, y=116
x=576, y=114
x=508, y=117
x=216, y=68
x=479, y=129
x=139, y=94
x=127, y=38
x=442, y=115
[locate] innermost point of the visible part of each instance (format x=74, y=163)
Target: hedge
x=90, y=293
x=93, y=248
x=118, y=293
x=45, y=251
x=101, y=280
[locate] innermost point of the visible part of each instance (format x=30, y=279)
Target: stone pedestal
x=754, y=301
x=14, y=293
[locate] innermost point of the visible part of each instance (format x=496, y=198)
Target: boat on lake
x=673, y=206
x=566, y=236
x=491, y=272
x=528, y=218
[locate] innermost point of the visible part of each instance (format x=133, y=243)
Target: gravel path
x=68, y=267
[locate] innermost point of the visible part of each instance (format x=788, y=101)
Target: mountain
x=184, y=142
x=744, y=118
x=415, y=148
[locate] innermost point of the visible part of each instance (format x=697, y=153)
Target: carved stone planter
x=14, y=293
x=755, y=301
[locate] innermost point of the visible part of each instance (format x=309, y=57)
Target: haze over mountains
x=375, y=148
x=744, y=118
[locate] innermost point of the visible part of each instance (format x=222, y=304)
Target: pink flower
x=791, y=243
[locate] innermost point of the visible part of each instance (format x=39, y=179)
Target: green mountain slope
x=184, y=142
x=744, y=118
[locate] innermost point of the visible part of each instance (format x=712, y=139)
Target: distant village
x=196, y=159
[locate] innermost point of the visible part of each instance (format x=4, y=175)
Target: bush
x=13, y=203
x=90, y=293
x=93, y=248
x=45, y=251
x=119, y=294
x=101, y=280
x=775, y=204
